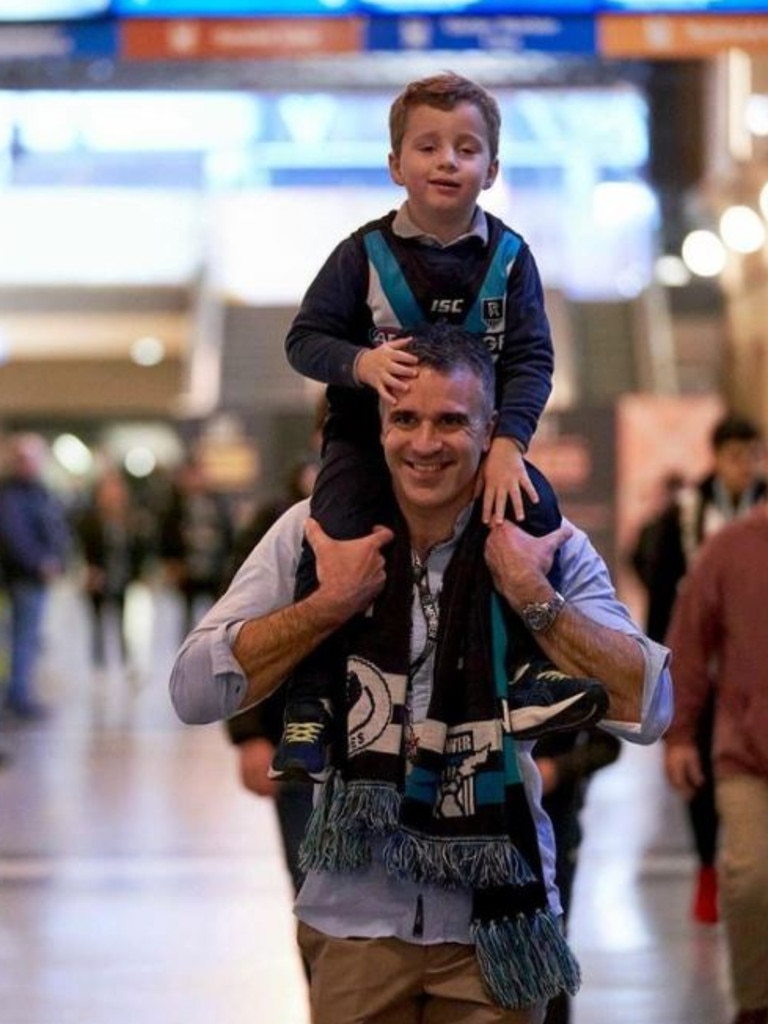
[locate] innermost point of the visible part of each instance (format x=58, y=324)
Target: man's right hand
x=682, y=763
x=350, y=573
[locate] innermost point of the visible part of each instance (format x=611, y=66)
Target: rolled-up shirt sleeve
x=587, y=586
x=207, y=683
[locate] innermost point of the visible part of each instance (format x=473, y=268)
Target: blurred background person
x=567, y=762
x=196, y=537
x=256, y=731
x=719, y=648
x=643, y=554
x=34, y=544
x=114, y=544
x=298, y=484
x=734, y=485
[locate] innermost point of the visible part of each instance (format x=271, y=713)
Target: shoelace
x=303, y=732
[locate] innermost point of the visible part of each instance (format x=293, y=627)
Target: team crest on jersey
x=493, y=312
x=381, y=334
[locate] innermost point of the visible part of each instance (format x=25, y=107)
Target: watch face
x=539, y=616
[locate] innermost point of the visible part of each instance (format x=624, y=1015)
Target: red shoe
x=705, y=909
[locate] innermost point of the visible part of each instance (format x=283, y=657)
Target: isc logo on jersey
x=447, y=307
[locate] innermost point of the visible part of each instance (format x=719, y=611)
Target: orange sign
x=670, y=36
x=233, y=38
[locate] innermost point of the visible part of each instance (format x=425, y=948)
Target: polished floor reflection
x=140, y=885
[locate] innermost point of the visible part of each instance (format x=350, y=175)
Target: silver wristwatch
x=539, y=616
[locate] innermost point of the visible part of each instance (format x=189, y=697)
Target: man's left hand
x=519, y=562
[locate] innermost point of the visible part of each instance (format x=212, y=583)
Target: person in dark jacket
x=34, y=541
x=196, y=537
x=113, y=544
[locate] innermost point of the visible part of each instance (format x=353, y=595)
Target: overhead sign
x=35, y=42
x=682, y=6
x=51, y=10
x=227, y=39
x=668, y=37
x=258, y=8
x=516, y=34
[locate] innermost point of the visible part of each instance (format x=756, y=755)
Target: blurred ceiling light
x=742, y=229
x=756, y=114
x=73, y=454
x=621, y=202
x=148, y=351
x=703, y=253
x=671, y=271
x=139, y=461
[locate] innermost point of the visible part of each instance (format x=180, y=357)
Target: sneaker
x=303, y=752
x=704, y=908
x=542, y=700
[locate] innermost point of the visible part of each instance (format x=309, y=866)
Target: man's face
x=737, y=465
x=434, y=439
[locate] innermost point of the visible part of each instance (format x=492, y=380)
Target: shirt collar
x=404, y=227
x=447, y=545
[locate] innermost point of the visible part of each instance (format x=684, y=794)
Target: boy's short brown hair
x=444, y=91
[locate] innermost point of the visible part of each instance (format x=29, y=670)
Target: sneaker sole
x=297, y=773
x=535, y=721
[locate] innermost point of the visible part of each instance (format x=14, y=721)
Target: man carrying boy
x=439, y=258
x=430, y=890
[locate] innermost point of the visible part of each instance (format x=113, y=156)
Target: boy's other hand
x=387, y=369
x=505, y=478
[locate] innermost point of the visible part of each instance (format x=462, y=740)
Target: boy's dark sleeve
x=332, y=324
x=526, y=363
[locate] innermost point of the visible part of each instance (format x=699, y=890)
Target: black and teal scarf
x=459, y=817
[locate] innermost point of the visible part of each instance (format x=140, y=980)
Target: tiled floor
x=140, y=885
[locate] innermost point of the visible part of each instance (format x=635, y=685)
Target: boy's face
x=444, y=163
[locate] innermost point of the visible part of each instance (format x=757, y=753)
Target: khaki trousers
x=388, y=981
x=742, y=803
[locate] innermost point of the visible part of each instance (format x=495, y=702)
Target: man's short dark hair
x=733, y=428
x=446, y=347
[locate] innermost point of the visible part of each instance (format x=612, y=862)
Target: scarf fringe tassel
x=525, y=960
x=476, y=863
x=343, y=819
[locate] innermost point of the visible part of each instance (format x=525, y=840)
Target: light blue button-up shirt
x=207, y=684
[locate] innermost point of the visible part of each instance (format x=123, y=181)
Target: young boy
x=440, y=257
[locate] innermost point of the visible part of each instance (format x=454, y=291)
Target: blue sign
x=232, y=8
x=258, y=8
x=682, y=6
x=536, y=33
x=92, y=38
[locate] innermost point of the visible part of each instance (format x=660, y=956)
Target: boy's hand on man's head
x=505, y=478
x=387, y=369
